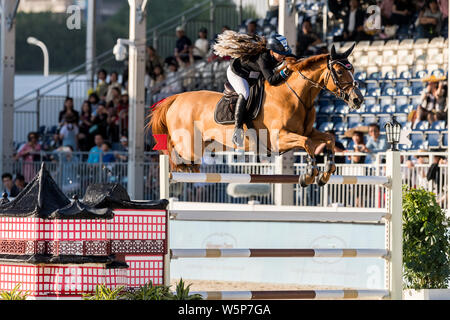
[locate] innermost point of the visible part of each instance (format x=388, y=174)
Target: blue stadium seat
x=405, y=91
x=420, y=74
x=389, y=91
x=321, y=119
x=327, y=109
x=385, y=101
x=376, y=108
x=382, y=119
x=438, y=125
x=353, y=119
x=433, y=139
x=326, y=126
x=388, y=109
x=402, y=119
x=415, y=101
x=337, y=118
x=422, y=125
x=343, y=109
x=375, y=75
x=405, y=74
x=417, y=87
x=444, y=139
x=374, y=92
x=438, y=72
x=369, y=101
x=345, y=143
x=368, y=119
x=360, y=75
x=325, y=102
x=416, y=139
x=339, y=103
x=340, y=127
x=390, y=75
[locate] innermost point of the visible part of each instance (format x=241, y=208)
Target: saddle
x=224, y=112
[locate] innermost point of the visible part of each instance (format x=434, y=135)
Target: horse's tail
x=157, y=118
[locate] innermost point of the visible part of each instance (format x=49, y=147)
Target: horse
x=288, y=114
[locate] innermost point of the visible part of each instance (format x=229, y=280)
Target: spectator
x=338, y=147
x=172, y=84
x=251, y=28
x=115, y=98
x=429, y=22
x=386, y=11
x=95, y=152
x=84, y=138
x=375, y=143
x=113, y=84
x=186, y=72
x=306, y=40
x=69, y=133
x=67, y=111
x=113, y=125
x=358, y=146
x=433, y=101
x=158, y=81
x=354, y=23
x=8, y=186
x=102, y=86
x=335, y=6
x=443, y=6
x=108, y=156
x=93, y=100
x=20, y=182
x=100, y=121
x=29, y=152
x=122, y=112
x=401, y=14
x=201, y=45
x=183, y=45
x=69, y=172
x=123, y=149
x=152, y=61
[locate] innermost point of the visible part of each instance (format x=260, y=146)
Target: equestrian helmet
x=278, y=43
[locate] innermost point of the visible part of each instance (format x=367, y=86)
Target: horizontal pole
x=294, y=294
x=191, y=211
x=269, y=178
x=278, y=253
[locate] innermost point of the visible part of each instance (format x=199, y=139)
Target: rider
x=253, y=57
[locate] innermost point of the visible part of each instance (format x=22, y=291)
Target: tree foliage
x=426, y=241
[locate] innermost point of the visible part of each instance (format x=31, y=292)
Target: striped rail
x=278, y=253
x=269, y=178
x=294, y=294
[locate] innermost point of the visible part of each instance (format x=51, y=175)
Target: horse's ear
x=333, y=52
x=349, y=50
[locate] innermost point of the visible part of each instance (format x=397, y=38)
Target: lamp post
x=393, y=130
x=35, y=42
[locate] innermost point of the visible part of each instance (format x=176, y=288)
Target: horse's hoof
x=319, y=180
x=302, y=181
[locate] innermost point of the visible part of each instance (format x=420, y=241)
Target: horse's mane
x=303, y=64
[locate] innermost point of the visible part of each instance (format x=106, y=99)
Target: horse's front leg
x=288, y=141
x=330, y=166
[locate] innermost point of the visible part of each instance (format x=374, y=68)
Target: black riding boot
x=239, y=115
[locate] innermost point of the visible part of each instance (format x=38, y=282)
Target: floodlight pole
x=7, y=72
x=90, y=41
x=136, y=91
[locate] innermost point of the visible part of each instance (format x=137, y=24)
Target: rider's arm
x=272, y=77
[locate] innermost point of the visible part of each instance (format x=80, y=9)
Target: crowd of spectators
x=399, y=19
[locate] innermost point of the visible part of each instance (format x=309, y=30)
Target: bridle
x=331, y=72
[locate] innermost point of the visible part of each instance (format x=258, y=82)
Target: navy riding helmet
x=278, y=43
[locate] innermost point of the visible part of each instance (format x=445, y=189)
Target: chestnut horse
x=287, y=114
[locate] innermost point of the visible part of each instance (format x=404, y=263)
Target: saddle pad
x=224, y=112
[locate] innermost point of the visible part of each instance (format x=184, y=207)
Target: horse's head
x=343, y=84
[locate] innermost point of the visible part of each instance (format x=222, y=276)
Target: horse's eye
x=339, y=72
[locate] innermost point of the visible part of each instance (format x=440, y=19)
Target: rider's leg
x=241, y=87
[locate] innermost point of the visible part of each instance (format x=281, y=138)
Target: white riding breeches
x=240, y=85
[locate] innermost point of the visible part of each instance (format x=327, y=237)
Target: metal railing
x=73, y=174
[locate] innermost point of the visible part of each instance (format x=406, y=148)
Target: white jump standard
x=391, y=217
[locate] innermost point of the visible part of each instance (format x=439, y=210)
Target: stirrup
x=238, y=136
